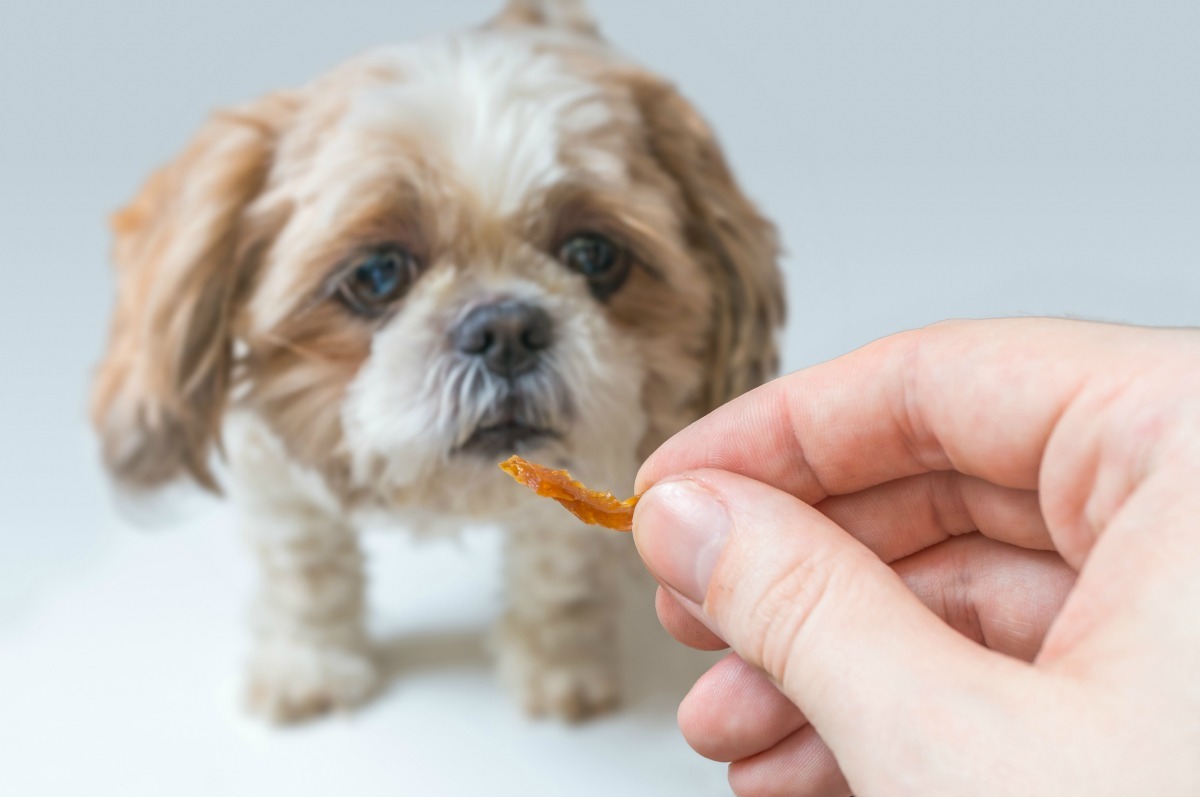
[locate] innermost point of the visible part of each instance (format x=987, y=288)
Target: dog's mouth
x=510, y=435
x=516, y=419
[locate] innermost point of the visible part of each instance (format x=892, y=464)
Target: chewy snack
x=590, y=506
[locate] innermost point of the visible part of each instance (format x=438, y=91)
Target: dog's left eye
x=377, y=280
x=600, y=260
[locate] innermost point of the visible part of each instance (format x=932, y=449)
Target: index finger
x=978, y=397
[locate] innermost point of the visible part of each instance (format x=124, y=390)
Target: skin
x=963, y=560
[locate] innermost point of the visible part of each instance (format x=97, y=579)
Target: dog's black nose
x=508, y=335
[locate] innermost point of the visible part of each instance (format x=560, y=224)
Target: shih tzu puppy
x=362, y=294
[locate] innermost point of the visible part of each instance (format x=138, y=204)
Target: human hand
x=960, y=561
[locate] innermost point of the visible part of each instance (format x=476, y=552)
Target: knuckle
x=791, y=604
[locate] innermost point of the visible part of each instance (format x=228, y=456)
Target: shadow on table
x=657, y=671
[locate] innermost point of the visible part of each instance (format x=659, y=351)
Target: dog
x=353, y=299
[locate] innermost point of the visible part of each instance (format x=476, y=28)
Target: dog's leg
x=558, y=641
x=310, y=651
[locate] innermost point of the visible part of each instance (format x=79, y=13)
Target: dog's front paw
x=573, y=692
x=289, y=682
x=569, y=689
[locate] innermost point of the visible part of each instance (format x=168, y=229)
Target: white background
x=924, y=160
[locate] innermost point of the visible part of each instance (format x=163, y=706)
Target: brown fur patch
x=160, y=391
x=222, y=244
x=738, y=247
x=563, y=14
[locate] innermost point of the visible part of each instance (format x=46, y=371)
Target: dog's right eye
x=377, y=280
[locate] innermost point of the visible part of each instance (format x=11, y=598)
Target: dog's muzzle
x=510, y=339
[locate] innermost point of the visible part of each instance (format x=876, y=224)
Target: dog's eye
x=600, y=260
x=377, y=280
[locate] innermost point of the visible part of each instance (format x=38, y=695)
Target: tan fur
x=228, y=320
x=563, y=14
x=186, y=260
x=183, y=263
x=738, y=246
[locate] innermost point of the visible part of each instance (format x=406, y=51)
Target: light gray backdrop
x=924, y=160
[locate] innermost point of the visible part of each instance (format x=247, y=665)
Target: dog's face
x=509, y=240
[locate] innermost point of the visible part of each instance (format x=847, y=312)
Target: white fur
x=494, y=110
x=310, y=650
x=499, y=118
x=503, y=122
x=417, y=400
x=478, y=155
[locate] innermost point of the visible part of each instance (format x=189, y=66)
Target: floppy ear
x=569, y=15
x=181, y=256
x=742, y=246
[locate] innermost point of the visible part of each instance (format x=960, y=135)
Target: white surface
x=924, y=160
x=124, y=681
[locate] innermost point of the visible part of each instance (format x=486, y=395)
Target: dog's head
x=509, y=239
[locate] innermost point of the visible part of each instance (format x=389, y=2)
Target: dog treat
x=590, y=506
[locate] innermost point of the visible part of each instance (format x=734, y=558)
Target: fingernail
x=680, y=529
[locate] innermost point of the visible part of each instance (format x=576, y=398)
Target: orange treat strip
x=590, y=506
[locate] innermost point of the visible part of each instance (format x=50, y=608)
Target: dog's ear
x=182, y=263
x=742, y=246
x=571, y=15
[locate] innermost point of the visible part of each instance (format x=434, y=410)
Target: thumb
x=795, y=595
